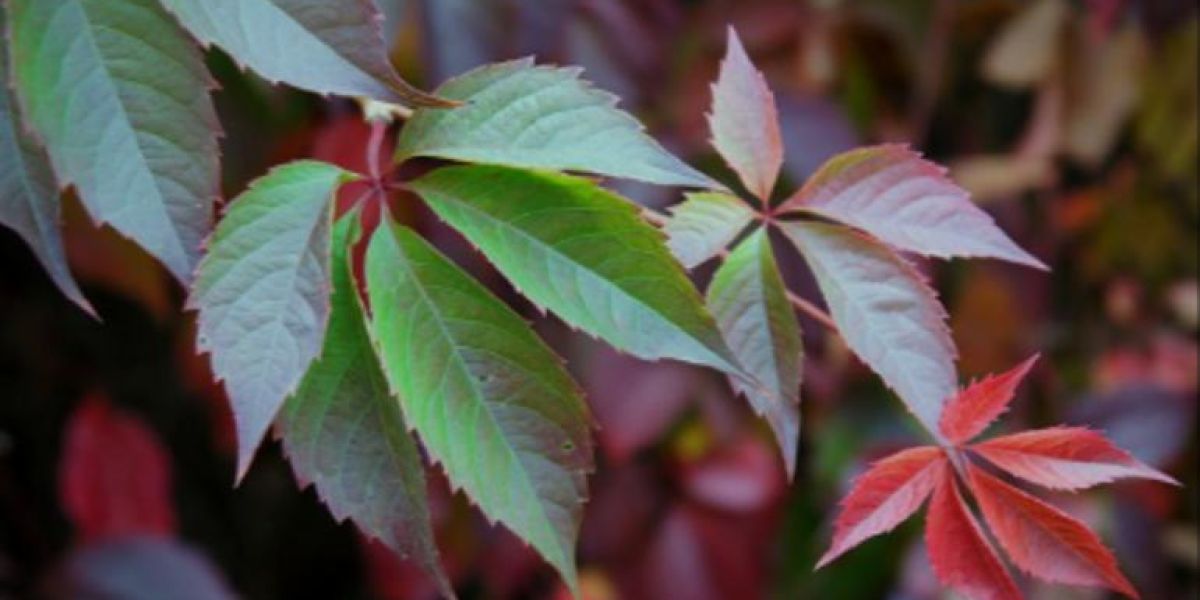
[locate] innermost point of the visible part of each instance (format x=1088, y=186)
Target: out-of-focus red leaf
x=961, y=556
x=625, y=506
x=973, y=409
x=1043, y=540
x=745, y=122
x=114, y=475
x=883, y=497
x=391, y=578
x=1064, y=458
x=1169, y=361
x=674, y=565
x=895, y=195
x=740, y=477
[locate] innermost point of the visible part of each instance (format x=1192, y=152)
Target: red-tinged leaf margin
x=883, y=497
x=1065, y=458
x=114, y=475
x=967, y=414
x=961, y=556
x=1043, y=540
x=745, y=122
x=908, y=202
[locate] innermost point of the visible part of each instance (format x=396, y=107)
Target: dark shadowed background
x=1074, y=124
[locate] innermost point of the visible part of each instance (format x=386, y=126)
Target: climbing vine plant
x=360, y=344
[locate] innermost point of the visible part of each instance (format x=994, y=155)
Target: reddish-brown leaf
x=895, y=195
x=1043, y=540
x=1065, y=458
x=962, y=558
x=973, y=409
x=883, y=497
x=114, y=476
x=745, y=122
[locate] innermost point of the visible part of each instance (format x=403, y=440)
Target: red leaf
x=962, y=558
x=1043, y=540
x=973, y=409
x=895, y=195
x=1065, y=458
x=114, y=475
x=883, y=497
x=745, y=122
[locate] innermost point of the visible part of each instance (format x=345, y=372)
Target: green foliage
x=489, y=400
x=522, y=115
x=581, y=251
x=343, y=431
x=120, y=97
x=704, y=224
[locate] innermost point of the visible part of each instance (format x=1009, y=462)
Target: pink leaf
x=962, y=558
x=892, y=193
x=114, y=476
x=885, y=312
x=883, y=497
x=1044, y=541
x=745, y=122
x=973, y=409
x=1065, y=458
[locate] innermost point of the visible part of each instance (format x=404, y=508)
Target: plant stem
x=805, y=306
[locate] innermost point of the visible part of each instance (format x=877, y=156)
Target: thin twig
x=805, y=306
x=374, y=150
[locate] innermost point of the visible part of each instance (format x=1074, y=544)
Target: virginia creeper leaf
x=970, y=411
x=491, y=403
x=522, y=115
x=323, y=46
x=29, y=202
x=262, y=292
x=343, y=431
x=745, y=122
x=962, y=558
x=885, y=312
x=704, y=224
x=748, y=298
x=1044, y=541
x=120, y=97
x=895, y=195
x=1064, y=458
x=883, y=497
x=584, y=253
x=114, y=475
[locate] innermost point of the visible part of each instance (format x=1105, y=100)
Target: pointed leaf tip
x=969, y=412
x=745, y=121
x=961, y=555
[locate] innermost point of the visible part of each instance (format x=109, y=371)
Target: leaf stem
x=806, y=307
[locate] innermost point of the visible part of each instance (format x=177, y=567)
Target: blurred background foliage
x=1073, y=122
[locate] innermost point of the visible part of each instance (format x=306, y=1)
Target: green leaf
x=522, y=115
x=120, y=96
x=323, y=46
x=262, y=292
x=488, y=399
x=584, y=253
x=748, y=298
x=29, y=202
x=343, y=431
x=886, y=313
x=704, y=224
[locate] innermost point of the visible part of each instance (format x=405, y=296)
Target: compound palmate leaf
x=491, y=403
x=323, y=46
x=262, y=292
x=522, y=115
x=582, y=252
x=120, y=96
x=703, y=224
x=29, y=202
x=343, y=431
x=886, y=313
x=750, y=303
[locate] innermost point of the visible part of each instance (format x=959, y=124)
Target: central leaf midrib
x=549, y=249
x=477, y=394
